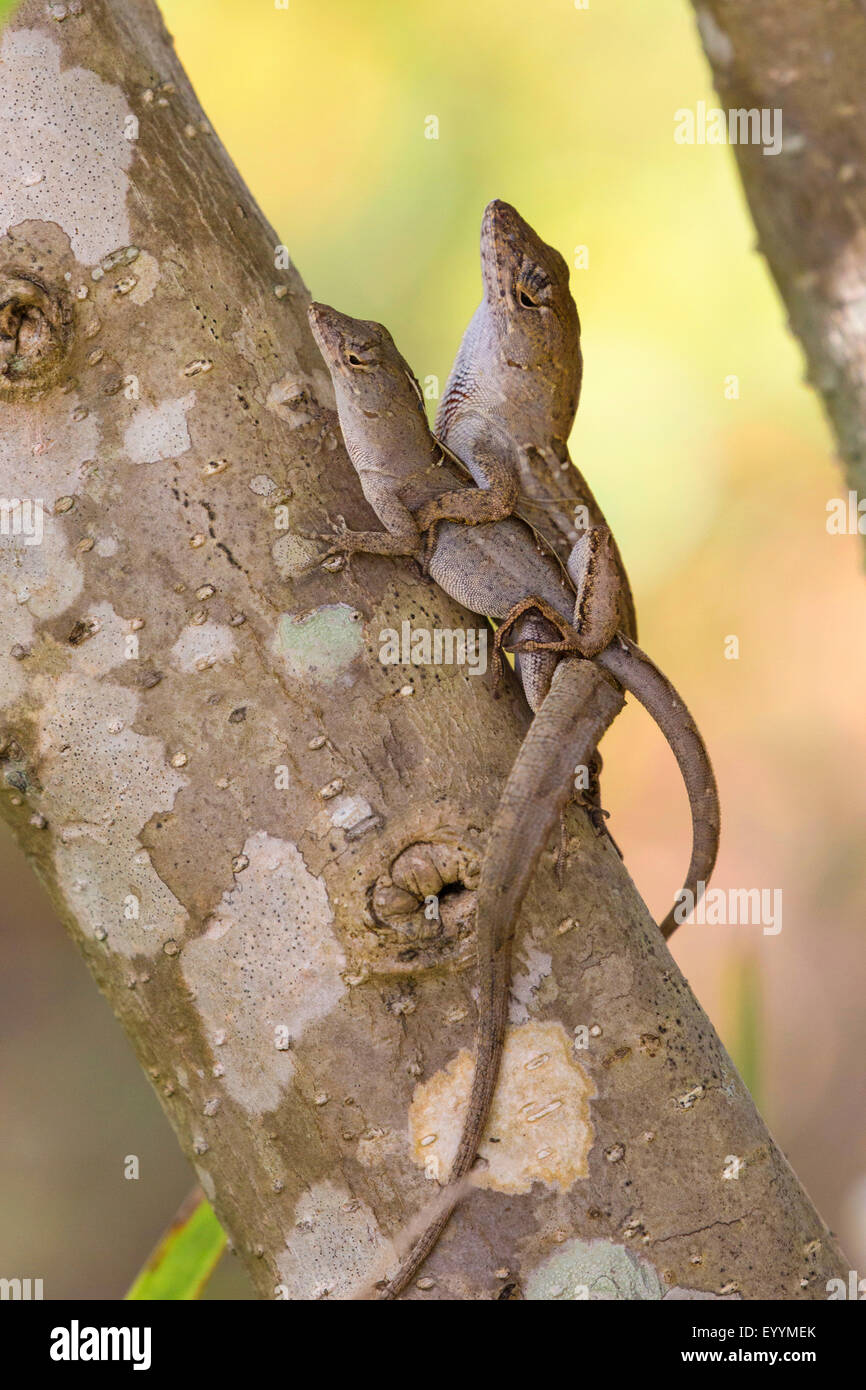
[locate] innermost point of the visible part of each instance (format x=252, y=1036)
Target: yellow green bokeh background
x=718, y=505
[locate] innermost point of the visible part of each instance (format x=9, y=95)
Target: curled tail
x=579, y=707
x=634, y=670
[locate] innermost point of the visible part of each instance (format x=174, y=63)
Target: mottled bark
x=239, y=810
x=808, y=62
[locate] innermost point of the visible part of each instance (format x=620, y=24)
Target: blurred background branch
x=807, y=61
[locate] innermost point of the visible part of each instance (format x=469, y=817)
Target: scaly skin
x=499, y=570
x=489, y=567
x=520, y=367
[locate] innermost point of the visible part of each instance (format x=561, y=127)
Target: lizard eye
x=532, y=287
x=361, y=363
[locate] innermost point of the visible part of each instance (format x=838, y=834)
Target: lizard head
x=372, y=381
x=363, y=360
x=530, y=309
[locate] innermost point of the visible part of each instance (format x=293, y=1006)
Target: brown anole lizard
x=520, y=367
x=499, y=569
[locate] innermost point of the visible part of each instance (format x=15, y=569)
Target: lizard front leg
x=368, y=543
x=495, y=468
x=538, y=646
x=402, y=535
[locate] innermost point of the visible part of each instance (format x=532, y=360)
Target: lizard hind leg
x=495, y=468
x=535, y=635
x=536, y=666
x=470, y=506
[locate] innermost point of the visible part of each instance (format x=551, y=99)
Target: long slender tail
x=634, y=670
x=579, y=707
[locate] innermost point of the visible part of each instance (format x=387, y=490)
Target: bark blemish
x=35, y=332
x=73, y=127
x=105, y=782
x=291, y=399
x=335, y=1240
x=540, y=1116
x=198, y=648
x=322, y=645
x=158, y=432
x=267, y=966
x=353, y=815
x=422, y=909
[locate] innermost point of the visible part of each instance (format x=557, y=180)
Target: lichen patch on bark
x=72, y=125
x=335, y=1241
x=540, y=1116
x=603, y=1272
x=598, y=1270
x=103, y=782
x=39, y=576
x=158, y=432
x=532, y=966
x=266, y=967
x=147, y=275
x=44, y=456
x=294, y=555
x=322, y=645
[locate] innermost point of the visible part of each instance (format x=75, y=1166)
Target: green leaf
x=6, y=8
x=186, y=1254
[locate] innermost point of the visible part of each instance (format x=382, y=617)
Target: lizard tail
x=493, y=1011
x=579, y=707
x=637, y=674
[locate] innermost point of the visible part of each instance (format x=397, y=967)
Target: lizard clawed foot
x=599, y=817
x=590, y=799
x=337, y=539
x=344, y=542
x=570, y=641
x=531, y=644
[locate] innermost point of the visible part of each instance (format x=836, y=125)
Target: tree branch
x=808, y=201
x=239, y=810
